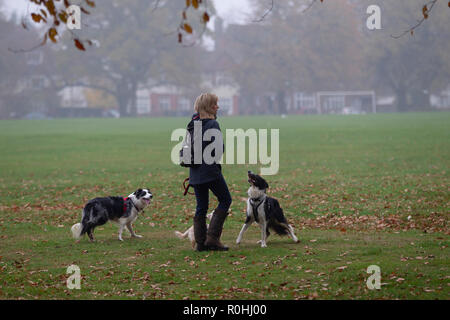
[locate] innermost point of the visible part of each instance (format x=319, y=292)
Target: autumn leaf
x=50, y=7
x=63, y=16
x=90, y=3
x=79, y=45
x=425, y=12
x=187, y=28
x=52, y=33
x=205, y=17
x=84, y=10
x=37, y=18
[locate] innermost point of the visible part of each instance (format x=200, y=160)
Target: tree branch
x=265, y=14
x=309, y=6
x=156, y=5
x=426, y=10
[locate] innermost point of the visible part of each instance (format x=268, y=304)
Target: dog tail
x=181, y=235
x=76, y=230
x=280, y=229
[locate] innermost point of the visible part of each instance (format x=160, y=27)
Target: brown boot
x=200, y=233
x=215, y=231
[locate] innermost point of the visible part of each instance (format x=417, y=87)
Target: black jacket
x=206, y=172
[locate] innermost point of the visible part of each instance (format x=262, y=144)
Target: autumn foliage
x=54, y=14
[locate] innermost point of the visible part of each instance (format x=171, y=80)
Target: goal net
x=346, y=102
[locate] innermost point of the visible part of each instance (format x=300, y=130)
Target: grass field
x=359, y=190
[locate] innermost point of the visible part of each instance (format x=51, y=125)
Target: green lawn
x=359, y=190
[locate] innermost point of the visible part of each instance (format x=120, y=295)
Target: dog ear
x=138, y=193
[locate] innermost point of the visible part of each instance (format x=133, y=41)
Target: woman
x=207, y=177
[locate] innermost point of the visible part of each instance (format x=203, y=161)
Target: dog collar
x=257, y=199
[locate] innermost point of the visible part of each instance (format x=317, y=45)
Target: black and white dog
x=266, y=211
x=123, y=211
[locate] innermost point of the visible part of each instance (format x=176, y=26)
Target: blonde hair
x=205, y=103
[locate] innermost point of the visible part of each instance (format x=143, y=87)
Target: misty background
x=258, y=60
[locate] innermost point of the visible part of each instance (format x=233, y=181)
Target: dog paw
x=137, y=236
x=120, y=239
x=263, y=245
x=259, y=241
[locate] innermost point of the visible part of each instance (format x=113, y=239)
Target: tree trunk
x=123, y=105
x=402, y=103
x=133, y=99
x=421, y=100
x=281, y=103
x=123, y=97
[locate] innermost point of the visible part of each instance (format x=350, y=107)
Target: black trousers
x=219, y=188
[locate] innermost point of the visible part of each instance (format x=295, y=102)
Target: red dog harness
x=125, y=205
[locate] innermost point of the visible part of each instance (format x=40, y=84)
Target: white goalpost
x=346, y=102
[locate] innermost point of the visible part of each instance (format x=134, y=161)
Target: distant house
x=82, y=101
x=164, y=100
x=302, y=102
x=73, y=97
x=170, y=100
x=441, y=100
x=221, y=84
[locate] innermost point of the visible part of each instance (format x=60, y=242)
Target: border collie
x=266, y=211
x=189, y=233
x=123, y=211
